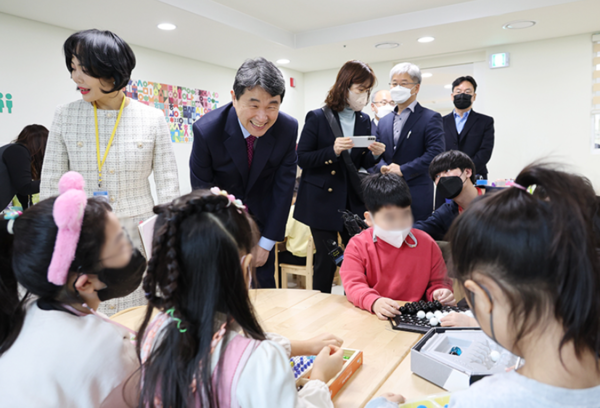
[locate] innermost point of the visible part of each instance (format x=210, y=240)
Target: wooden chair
x=301, y=270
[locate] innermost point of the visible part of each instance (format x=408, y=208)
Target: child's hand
x=385, y=308
x=312, y=347
x=397, y=398
x=458, y=320
x=327, y=365
x=317, y=343
x=445, y=296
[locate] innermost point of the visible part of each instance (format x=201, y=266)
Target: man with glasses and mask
x=381, y=105
x=413, y=136
x=453, y=173
x=469, y=131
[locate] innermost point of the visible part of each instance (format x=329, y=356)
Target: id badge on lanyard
x=101, y=193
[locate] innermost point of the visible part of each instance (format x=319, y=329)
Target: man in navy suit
x=413, y=136
x=248, y=147
x=466, y=130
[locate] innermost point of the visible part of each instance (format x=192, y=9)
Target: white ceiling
x=314, y=34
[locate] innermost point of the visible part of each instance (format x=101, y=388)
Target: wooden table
x=302, y=314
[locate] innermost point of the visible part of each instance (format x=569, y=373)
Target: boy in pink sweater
x=391, y=261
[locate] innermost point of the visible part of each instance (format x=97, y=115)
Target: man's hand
x=391, y=168
x=260, y=256
x=385, y=308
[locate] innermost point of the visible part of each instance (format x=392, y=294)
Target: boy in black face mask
x=453, y=173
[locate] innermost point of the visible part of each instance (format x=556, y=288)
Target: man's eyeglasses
x=404, y=84
x=384, y=102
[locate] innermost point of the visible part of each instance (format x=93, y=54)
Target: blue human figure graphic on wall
x=9, y=103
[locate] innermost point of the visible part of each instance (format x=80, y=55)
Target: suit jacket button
x=330, y=161
x=326, y=162
x=333, y=172
x=330, y=190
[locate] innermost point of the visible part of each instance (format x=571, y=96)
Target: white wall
x=541, y=103
x=34, y=72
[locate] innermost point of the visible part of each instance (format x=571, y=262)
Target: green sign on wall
x=6, y=103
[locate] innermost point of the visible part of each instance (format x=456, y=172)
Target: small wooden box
x=353, y=360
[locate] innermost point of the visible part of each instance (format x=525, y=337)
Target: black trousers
x=265, y=275
x=286, y=257
x=324, y=265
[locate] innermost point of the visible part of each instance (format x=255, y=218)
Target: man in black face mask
x=453, y=173
x=469, y=131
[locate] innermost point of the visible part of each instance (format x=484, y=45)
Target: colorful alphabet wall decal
x=182, y=106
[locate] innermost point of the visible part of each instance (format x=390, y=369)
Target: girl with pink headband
x=69, y=253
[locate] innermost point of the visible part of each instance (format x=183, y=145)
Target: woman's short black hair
x=102, y=55
x=452, y=159
x=381, y=190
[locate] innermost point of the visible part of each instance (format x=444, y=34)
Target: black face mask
x=121, y=282
x=462, y=100
x=449, y=187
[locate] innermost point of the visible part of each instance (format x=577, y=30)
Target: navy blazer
x=325, y=187
x=476, y=139
x=421, y=139
x=219, y=158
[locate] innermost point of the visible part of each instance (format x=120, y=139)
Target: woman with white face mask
x=330, y=181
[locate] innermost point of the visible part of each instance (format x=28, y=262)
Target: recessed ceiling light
x=519, y=24
x=283, y=61
x=387, y=45
x=167, y=26
x=449, y=86
x=426, y=39
x=426, y=74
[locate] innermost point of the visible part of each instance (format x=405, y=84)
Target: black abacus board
x=411, y=323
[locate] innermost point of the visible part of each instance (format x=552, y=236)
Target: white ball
x=433, y=321
x=420, y=314
x=495, y=356
x=429, y=315
x=437, y=314
x=445, y=313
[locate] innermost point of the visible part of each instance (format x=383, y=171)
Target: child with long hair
x=530, y=267
x=207, y=348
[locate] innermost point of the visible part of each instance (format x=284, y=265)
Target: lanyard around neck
x=112, y=136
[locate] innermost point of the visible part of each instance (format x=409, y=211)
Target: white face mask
x=357, y=101
x=384, y=110
x=393, y=237
x=400, y=94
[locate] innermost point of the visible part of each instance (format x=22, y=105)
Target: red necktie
x=250, y=148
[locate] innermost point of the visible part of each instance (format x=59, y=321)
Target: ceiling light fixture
x=519, y=24
x=283, y=61
x=426, y=75
x=449, y=86
x=167, y=26
x=387, y=45
x=426, y=39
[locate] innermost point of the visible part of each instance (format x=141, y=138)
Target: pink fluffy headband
x=68, y=212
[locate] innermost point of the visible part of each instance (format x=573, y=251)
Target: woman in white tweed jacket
x=100, y=64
